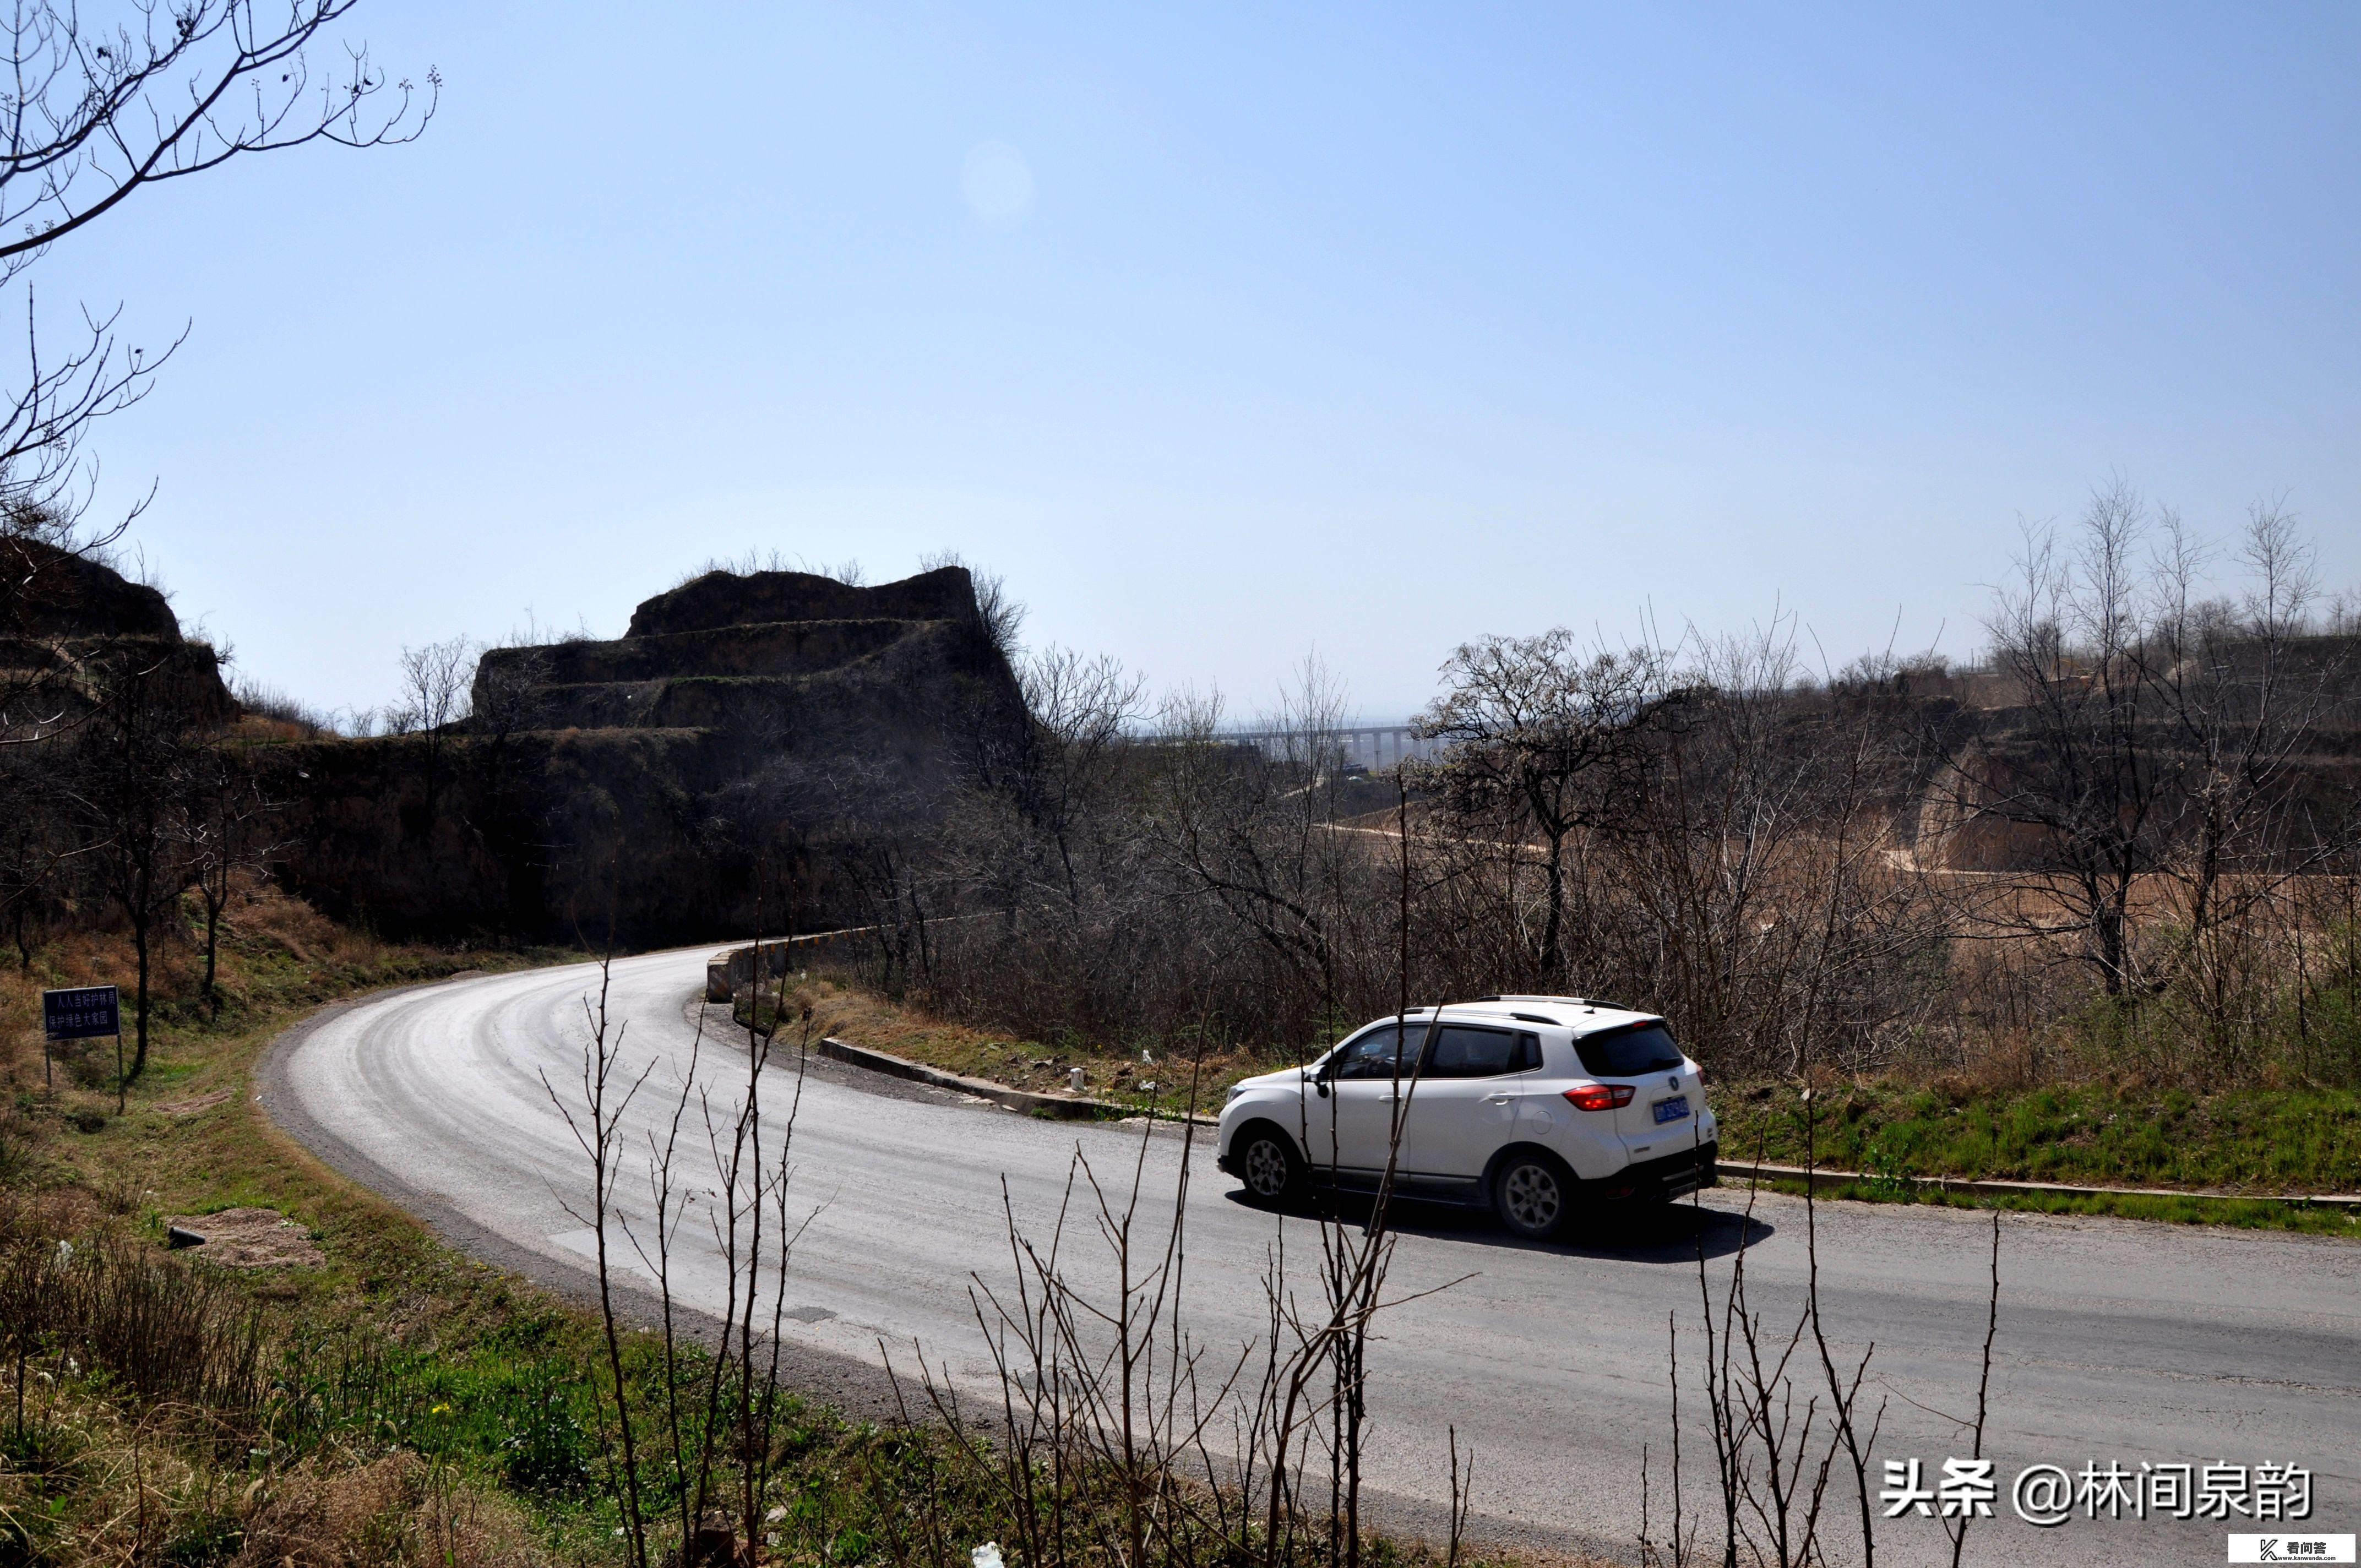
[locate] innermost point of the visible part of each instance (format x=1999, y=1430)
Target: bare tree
x=1534, y=725
x=124, y=784
x=1080, y=709
x=436, y=701
x=1246, y=826
x=1749, y=890
x=226, y=821
x=98, y=112
x=727, y=1427
x=97, y=109
x=2159, y=743
x=434, y=687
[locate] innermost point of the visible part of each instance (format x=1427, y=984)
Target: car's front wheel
x=1269, y=1165
x=1533, y=1195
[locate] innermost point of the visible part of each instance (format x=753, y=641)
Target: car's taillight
x=1599, y=1096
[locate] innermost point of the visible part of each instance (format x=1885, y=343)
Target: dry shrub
x=117, y=1197
x=319, y=1518
x=1954, y=1087
x=90, y=955
x=262, y=909
x=168, y=1333
x=394, y=1511
x=44, y=1216
x=2008, y=1064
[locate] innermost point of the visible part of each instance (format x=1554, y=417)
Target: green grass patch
x=2237, y=1142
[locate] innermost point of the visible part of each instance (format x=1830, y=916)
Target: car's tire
x=1532, y=1193
x=1266, y=1162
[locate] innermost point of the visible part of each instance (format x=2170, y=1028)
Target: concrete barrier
x=726, y=974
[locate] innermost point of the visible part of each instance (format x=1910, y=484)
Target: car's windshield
x=1629, y=1051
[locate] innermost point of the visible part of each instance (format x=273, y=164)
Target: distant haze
x=1227, y=335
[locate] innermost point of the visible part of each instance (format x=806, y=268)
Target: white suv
x=1533, y=1106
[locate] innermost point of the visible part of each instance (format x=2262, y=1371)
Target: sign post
x=83, y=1012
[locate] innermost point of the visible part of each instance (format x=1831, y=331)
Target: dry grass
x=397, y=1511
x=861, y=1018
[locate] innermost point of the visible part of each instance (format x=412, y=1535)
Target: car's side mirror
x=1320, y=1085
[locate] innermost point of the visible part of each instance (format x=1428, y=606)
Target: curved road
x=2118, y=1340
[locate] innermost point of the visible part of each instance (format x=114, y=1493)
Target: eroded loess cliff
x=72, y=630
x=670, y=784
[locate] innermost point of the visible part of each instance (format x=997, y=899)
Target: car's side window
x=1371, y=1056
x=1464, y=1052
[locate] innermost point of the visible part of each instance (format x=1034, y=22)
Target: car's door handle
x=1500, y=1099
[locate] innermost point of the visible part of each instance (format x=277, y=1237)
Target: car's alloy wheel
x=1532, y=1198
x=1269, y=1169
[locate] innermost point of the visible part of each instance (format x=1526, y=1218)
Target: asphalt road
x=2118, y=1340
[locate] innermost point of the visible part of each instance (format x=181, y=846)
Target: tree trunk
x=2107, y=924
x=212, y=943
x=1553, y=960
x=139, y=940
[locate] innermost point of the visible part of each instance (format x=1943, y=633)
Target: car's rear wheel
x=1269, y=1165
x=1533, y=1195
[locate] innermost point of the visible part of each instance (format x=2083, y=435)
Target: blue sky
x=1231, y=333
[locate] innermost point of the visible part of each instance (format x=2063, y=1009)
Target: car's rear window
x=1628, y=1052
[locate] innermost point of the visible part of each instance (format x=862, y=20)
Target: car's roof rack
x=1565, y=1000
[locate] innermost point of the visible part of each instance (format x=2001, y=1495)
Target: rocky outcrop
x=1963, y=818
x=72, y=627
x=648, y=785
x=54, y=594
x=721, y=599
x=779, y=650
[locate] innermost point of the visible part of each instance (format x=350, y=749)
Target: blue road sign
x=84, y=1013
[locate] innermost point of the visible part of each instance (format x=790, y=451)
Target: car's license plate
x=1673, y=1110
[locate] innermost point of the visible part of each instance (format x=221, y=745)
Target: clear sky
x=1231, y=333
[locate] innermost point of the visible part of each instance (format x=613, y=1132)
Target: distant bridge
x=1373, y=746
